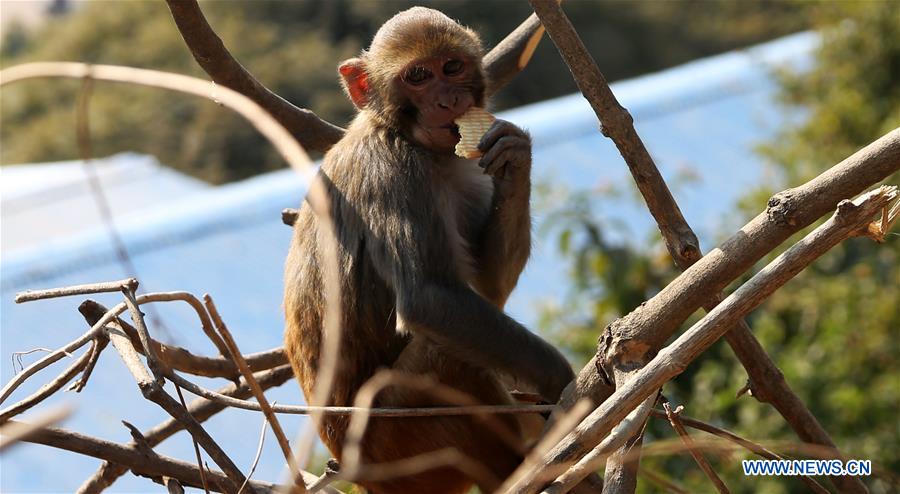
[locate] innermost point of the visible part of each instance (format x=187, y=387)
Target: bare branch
x=68, y=291
x=766, y=379
x=747, y=444
x=153, y=391
x=183, y=360
x=210, y=53
x=196, y=451
x=258, y=393
x=12, y=432
x=201, y=409
x=259, y=450
x=137, y=460
x=281, y=139
x=157, y=368
x=512, y=54
x=59, y=353
x=47, y=389
x=673, y=359
x=502, y=63
x=674, y=417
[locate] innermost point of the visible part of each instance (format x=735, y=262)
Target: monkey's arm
x=476, y=331
x=505, y=241
x=408, y=248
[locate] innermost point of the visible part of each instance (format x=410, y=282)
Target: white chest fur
x=462, y=195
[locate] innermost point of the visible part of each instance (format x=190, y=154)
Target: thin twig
x=157, y=368
x=258, y=393
x=751, y=446
x=97, y=348
x=438, y=411
x=47, y=389
x=630, y=427
x=702, y=462
x=59, y=353
x=662, y=482
x=351, y=460
x=259, y=450
x=68, y=291
x=197, y=451
x=16, y=357
x=562, y=425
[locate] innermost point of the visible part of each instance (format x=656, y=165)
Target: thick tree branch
x=849, y=218
x=502, y=63
x=512, y=54
x=766, y=379
x=210, y=53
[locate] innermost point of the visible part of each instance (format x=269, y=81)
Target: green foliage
x=294, y=47
x=834, y=329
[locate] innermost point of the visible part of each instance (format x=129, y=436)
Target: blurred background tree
x=294, y=48
x=834, y=329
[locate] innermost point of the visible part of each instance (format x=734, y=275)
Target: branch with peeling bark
x=766, y=379
x=848, y=220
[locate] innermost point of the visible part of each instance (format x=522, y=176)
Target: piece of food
x=472, y=126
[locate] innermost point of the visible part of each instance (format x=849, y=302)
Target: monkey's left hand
x=507, y=153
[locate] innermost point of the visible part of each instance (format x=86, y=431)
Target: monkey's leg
x=396, y=438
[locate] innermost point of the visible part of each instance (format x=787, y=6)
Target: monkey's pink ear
x=356, y=81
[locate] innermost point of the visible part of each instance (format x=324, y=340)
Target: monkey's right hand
x=507, y=151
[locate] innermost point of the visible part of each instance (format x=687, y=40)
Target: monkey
x=429, y=247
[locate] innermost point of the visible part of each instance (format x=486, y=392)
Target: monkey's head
x=421, y=72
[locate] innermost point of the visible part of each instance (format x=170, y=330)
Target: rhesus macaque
x=429, y=247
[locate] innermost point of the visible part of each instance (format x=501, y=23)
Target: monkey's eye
x=453, y=67
x=417, y=75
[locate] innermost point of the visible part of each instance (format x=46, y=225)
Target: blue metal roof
x=702, y=119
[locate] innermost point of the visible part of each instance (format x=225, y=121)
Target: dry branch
x=14, y=432
x=201, y=409
x=152, y=390
x=138, y=460
x=104, y=287
x=258, y=393
x=674, y=417
x=757, y=449
x=183, y=360
x=501, y=64
x=672, y=360
x=766, y=379
x=47, y=389
x=210, y=53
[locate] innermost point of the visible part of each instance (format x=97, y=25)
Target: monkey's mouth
x=454, y=129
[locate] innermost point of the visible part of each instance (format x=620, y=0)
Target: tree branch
x=672, y=360
x=501, y=64
x=138, y=460
x=201, y=409
x=210, y=53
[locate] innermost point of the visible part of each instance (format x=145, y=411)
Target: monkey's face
x=439, y=89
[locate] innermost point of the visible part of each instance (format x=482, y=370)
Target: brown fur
x=429, y=249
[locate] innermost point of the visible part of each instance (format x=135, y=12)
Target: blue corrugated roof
x=704, y=116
